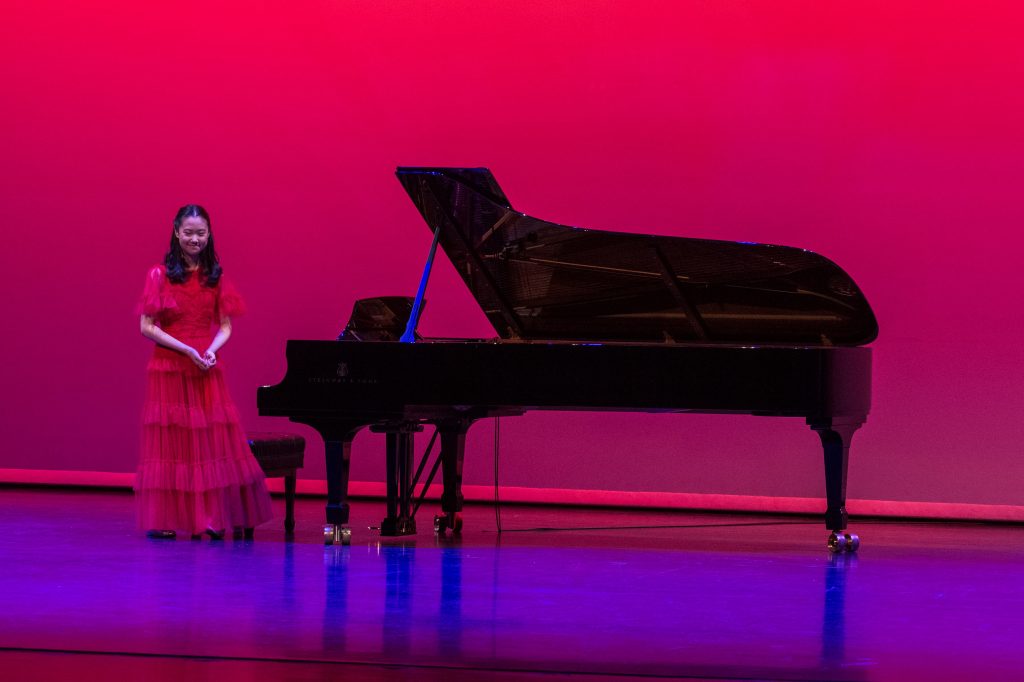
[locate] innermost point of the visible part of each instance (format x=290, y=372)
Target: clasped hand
x=204, y=361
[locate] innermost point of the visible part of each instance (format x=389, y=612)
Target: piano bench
x=280, y=454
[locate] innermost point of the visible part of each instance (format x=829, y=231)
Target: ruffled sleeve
x=156, y=295
x=229, y=301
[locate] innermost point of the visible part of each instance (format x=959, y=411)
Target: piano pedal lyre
x=337, y=534
x=842, y=542
x=448, y=521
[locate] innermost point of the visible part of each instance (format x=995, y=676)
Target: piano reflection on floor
x=580, y=601
x=585, y=320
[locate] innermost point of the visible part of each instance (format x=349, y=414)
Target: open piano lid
x=537, y=280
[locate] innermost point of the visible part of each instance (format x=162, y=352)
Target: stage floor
x=560, y=594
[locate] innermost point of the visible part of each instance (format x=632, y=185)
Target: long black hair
x=209, y=266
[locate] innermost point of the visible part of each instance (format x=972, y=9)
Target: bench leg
x=289, y=502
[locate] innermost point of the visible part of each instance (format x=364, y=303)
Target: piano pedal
x=841, y=541
x=395, y=527
x=449, y=521
x=337, y=535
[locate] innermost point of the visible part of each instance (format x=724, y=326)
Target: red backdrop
x=884, y=135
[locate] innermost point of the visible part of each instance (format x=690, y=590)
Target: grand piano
x=585, y=320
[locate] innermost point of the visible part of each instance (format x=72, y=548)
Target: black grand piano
x=586, y=320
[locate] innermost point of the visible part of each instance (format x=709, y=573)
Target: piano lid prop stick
x=414, y=317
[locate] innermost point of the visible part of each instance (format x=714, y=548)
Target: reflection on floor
x=561, y=593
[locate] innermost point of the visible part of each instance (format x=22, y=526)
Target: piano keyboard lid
x=537, y=280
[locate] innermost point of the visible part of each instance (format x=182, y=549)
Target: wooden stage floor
x=560, y=594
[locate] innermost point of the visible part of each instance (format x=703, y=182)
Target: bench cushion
x=277, y=452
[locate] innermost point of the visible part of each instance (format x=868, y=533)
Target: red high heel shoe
x=214, y=534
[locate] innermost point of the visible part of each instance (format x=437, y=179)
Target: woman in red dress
x=196, y=473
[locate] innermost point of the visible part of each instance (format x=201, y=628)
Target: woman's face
x=192, y=236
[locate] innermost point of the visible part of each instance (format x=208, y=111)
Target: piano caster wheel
x=451, y=521
x=843, y=542
x=337, y=535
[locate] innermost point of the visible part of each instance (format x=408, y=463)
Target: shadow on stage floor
x=560, y=594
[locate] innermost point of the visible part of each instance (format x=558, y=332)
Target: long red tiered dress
x=196, y=469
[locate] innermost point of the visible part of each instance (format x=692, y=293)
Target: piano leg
x=453, y=449
x=391, y=474
x=339, y=454
x=337, y=437
x=836, y=435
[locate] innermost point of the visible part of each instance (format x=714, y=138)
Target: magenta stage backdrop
x=884, y=135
